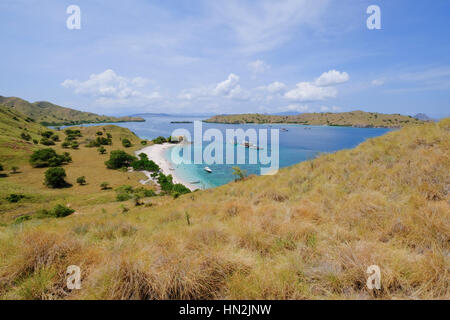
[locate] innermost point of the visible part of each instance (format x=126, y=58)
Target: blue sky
x=230, y=56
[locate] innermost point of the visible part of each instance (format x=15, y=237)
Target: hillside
x=50, y=114
x=308, y=232
x=352, y=119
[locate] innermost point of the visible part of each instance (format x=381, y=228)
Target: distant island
x=181, y=122
x=49, y=114
x=359, y=119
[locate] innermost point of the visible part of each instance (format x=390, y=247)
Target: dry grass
x=309, y=232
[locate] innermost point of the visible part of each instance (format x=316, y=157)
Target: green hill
x=352, y=119
x=50, y=114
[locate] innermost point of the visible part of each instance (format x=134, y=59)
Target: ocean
x=297, y=143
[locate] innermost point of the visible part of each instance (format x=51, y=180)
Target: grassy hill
x=352, y=119
x=50, y=114
x=308, y=232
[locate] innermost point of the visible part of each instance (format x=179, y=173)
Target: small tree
x=81, y=180
x=99, y=133
x=25, y=136
x=1, y=167
x=15, y=169
x=239, y=173
x=55, y=178
x=104, y=185
x=102, y=150
x=119, y=159
x=126, y=143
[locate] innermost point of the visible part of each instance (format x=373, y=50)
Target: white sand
x=156, y=153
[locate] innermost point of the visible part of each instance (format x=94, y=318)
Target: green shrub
x=47, y=134
x=25, y=136
x=22, y=219
x=73, y=133
x=99, y=133
x=47, y=142
x=145, y=164
x=48, y=158
x=14, y=198
x=59, y=211
x=103, y=141
x=144, y=142
x=81, y=180
x=55, y=178
x=104, y=185
x=126, y=143
x=65, y=144
x=102, y=150
x=159, y=140
x=119, y=159
x=74, y=145
x=35, y=141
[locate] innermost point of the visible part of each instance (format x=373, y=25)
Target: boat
x=207, y=169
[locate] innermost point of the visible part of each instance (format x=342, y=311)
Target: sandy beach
x=156, y=153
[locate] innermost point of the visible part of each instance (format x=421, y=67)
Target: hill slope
x=354, y=118
x=50, y=114
x=311, y=231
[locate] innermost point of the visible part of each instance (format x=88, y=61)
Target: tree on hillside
x=239, y=173
x=81, y=180
x=49, y=158
x=119, y=159
x=101, y=150
x=104, y=185
x=126, y=143
x=55, y=178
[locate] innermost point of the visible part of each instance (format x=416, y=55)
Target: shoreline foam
x=156, y=153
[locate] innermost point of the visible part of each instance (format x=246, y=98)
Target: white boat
x=207, y=169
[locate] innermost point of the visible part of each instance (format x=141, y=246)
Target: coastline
x=156, y=153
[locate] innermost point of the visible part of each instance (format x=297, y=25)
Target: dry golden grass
x=309, y=232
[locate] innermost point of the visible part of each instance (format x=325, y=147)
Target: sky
x=231, y=56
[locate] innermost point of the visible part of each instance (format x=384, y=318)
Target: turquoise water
x=297, y=144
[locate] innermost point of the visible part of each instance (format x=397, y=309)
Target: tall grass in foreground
x=309, y=232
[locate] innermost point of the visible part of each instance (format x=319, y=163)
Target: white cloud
x=297, y=108
x=228, y=88
x=331, y=77
x=258, y=67
x=319, y=89
x=329, y=109
x=265, y=24
x=274, y=87
x=377, y=82
x=110, y=88
x=306, y=91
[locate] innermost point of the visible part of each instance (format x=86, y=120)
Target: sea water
x=297, y=144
